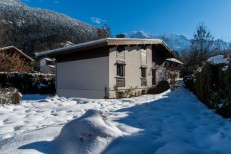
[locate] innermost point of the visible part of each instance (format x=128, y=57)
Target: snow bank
x=91, y=133
x=219, y=59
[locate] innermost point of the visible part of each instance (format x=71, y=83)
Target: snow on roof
x=49, y=59
x=107, y=41
x=174, y=60
x=59, y=50
x=51, y=66
x=219, y=59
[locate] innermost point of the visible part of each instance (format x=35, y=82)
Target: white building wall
x=44, y=68
x=132, y=60
x=83, y=78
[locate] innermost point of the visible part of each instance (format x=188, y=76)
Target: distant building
x=14, y=60
x=109, y=68
x=47, y=65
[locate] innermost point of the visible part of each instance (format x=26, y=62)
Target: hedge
x=212, y=85
x=29, y=83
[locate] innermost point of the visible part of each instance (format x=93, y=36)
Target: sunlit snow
x=172, y=122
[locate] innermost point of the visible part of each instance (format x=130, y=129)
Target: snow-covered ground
x=168, y=123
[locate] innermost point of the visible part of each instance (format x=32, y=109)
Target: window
x=120, y=78
x=143, y=76
x=143, y=72
x=120, y=70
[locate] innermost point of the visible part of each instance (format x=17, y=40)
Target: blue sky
x=150, y=16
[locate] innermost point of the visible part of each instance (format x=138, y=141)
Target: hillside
x=176, y=42
x=34, y=29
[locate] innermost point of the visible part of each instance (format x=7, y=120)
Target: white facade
x=96, y=77
x=133, y=62
x=45, y=67
x=87, y=78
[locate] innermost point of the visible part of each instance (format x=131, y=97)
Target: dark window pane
x=120, y=70
x=143, y=72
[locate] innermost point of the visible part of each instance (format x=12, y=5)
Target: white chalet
x=110, y=67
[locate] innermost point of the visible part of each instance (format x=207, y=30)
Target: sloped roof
x=101, y=43
x=19, y=51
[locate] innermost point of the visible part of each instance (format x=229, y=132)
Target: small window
x=143, y=72
x=120, y=70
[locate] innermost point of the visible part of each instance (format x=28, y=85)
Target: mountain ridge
x=176, y=42
x=35, y=29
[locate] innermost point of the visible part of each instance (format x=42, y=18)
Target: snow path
x=175, y=123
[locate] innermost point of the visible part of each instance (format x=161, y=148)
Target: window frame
x=120, y=69
x=143, y=72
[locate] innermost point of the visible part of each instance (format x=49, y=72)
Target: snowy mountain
x=176, y=42
x=137, y=35
x=34, y=29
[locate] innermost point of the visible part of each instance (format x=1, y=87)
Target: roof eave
x=101, y=43
x=77, y=47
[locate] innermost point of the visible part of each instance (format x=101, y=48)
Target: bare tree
x=201, y=44
x=104, y=31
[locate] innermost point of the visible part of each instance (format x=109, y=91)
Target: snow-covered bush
x=9, y=96
x=29, y=83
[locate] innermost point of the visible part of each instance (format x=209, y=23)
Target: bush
x=162, y=86
x=29, y=83
x=9, y=96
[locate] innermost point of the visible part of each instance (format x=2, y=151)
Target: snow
x=49, y=59
x=171, y=122
x=219, y=59
x=89, y=134
x=174, y=60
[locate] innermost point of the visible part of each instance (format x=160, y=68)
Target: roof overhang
x=102, y=43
